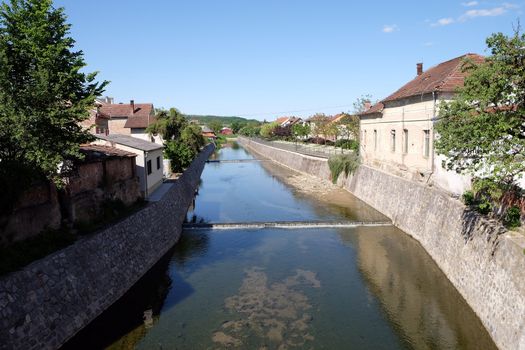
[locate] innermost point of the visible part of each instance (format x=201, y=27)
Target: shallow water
x=352, y=288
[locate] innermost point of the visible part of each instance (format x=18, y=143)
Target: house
x=226, y=131
x=287, y=121
x=98, y=122
x=129, y=119
x=208, y=133
x=149, y=161
x=397, y=133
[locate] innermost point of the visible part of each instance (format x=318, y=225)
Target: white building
x=149, y=159
x=397, y=134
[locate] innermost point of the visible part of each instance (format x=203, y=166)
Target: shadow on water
x=127, y=321
x=422, y=305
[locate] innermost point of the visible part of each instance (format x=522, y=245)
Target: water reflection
x=132, y=315
x=426, y=310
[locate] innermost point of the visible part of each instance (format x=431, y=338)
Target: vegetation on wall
x=44, y=95
x=347, y=163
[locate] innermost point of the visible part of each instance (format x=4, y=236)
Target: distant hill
x=226, y=120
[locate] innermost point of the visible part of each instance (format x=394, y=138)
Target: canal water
x=341, y=288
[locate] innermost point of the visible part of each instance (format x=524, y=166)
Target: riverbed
x=340, y=288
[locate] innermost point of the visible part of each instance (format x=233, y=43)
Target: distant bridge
x=283, y=224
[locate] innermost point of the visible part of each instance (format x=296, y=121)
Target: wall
x=36, y=210
x=484, y=263
x=47, y=302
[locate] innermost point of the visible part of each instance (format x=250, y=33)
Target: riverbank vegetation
x=182, y=140
x=482, y=132
x=347, y=163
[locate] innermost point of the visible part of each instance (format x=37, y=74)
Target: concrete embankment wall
x=485, y=263
x=49, y=301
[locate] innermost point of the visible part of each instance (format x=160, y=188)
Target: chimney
x=368, y=105
x=132, y=103
x=419, y=68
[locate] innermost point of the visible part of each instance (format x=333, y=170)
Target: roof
x=377, y=108
x=445, y=77
x=130, y=141
x=141, y=117
x=208, y=134
x=205, y=128
x=281, y=120
x=96, y=152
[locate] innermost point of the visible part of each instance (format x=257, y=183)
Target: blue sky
x=263, y=59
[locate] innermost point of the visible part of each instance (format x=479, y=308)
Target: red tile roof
x=377, y=108
x=141, y=117
x=445, y=77
x=281, y=120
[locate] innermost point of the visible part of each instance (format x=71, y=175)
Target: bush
x=347, y=163
x=512, y=218
x=484, y=206
x=468, y=198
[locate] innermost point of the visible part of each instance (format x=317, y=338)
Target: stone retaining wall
x=484, y=262
x=49, y=301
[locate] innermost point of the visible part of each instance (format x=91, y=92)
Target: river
x=309, y=288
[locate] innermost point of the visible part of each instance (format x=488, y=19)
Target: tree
x=44, y=95
x=169, y=124
x=237, y=125
x=300, y=131
x=349, y=127
x=216, y=126
x=192, y=136
x=268, y=129
x=361, y=103
x=482, y=132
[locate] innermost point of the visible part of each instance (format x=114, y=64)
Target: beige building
x=397, y=134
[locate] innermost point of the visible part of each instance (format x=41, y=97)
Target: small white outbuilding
x=150, y=164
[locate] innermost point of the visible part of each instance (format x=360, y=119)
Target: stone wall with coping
x=482, y=260
x=49, y=301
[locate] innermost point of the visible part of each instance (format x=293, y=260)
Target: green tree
x=216, y=126
x=349, y=127
x=169, y=124
x=236, y=126
x=482, y=132
x=268, y=129
x=192, y=136
x=44, y=95
x=300, y=131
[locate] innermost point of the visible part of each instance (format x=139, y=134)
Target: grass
x=347, y=163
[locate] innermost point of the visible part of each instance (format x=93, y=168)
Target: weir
x=283, y=224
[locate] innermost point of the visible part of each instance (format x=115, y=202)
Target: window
x=426, y=143
x=149, y=166
x=393, y=140
x=158, y=162
x=375, y=140
x=405, y=141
